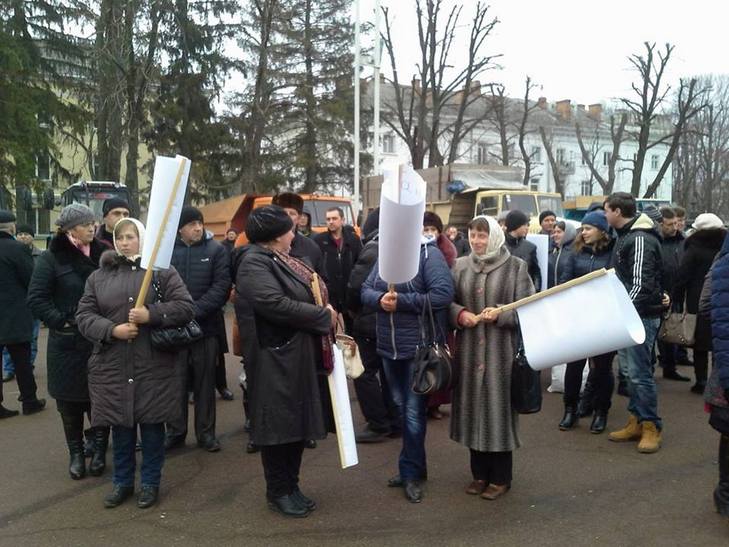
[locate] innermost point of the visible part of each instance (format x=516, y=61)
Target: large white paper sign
x=163, y=182
x=542, y=243
x=402, y=204
x=560, y=328
x=342, y=411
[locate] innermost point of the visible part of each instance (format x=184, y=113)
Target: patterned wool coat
x=481, y=415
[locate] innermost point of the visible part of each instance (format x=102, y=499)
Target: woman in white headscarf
x=131, y=383
x=482, y=418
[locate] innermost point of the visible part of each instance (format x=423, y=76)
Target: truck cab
x=93, y=193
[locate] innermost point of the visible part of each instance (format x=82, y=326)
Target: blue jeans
x=636, y=363
x=8, y=365
x=412, y=414
x=153, y=453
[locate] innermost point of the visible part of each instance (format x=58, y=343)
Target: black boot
x=721, y=493
x=98, y=458
x=73, y=427
x=599, y=422
x=570, y=418
x=586, y=404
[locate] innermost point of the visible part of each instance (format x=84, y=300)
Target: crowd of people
x=294, y=289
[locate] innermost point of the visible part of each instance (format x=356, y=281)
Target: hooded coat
x=131, y=382
x=559, y=256
x=55, y=289
x=720, y=316
x=16, y=268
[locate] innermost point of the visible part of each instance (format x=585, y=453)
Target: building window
x=534, y=184
x=606, y=157
x=586, y=188
x=388, y=144
x=482, y=152
x=560, y=156
x=536, y=154
x=654, y=162
x=43, y=167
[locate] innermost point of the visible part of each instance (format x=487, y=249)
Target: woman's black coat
x=284, y=376
x=55, y=289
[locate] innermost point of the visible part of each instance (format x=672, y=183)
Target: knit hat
x=515, y=219
x=431, y=219
x=114, y=203
x=189, y=214
x=6, y=216
x=73, y=215
x=707, y=221
x=140, y=232
x=654, y=214
x=267, y=223
x=596, y=219
x=545, y=214
x=289, y=200
x=25, y=229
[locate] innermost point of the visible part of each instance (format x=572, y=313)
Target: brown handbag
x=678, y=328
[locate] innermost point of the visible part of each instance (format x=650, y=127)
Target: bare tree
x=527, y=109
x=553, y=161
x=589, y=156
x=417, y=113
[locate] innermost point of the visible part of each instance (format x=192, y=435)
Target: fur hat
x=190, y=214
x=431, y=219
x=267, y=223
x=73, y=215
x=289, y=200
x=515, y=219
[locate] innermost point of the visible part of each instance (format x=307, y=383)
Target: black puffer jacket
x=205, y=269
x=672, y=248
x=306, y=250
x=638, y=262
x=365, y=319
x=16, y=267
x=585, y=261
x=55, y=289
x=527, y=251
x=338, y=263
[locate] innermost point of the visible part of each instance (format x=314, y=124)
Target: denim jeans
x=8, y=365
x=637, y=365
x=153, y=453
x=411, y=409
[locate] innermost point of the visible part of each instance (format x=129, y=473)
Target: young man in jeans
x=638, y=264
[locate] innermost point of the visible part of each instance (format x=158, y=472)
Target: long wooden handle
x=153, y=257
x=316, y=289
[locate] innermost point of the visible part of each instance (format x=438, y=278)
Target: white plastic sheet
x=542, y=243
x=342, y=411
x=585, y=320
x=558, y=372
x=163, y=182
x=402, y=204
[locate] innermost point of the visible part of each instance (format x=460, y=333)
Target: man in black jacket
x=458, y=239
x=113, y=209
x=517, y=228
x=638, y=263
x=204, y=266
x=373, y=394
x=340, y=247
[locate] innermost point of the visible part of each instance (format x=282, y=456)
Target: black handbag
x=526, y=384
x=433, y=369
x=173, y=339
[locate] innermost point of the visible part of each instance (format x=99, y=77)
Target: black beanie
x=24, y=229
x=267, y=223
x=113, y=203
x=431, y=219
x=515, y=219
x=189, y=214
x=545, y=214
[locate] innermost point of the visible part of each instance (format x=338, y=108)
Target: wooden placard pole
x=153, y=257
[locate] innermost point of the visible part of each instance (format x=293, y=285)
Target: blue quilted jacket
x=720, y=313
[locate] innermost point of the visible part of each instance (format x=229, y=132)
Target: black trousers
x=281, y=466
x=197, y=363
x=492, y=467
x=20, y=354
x=221, y=381
x=600, y=377
x=372, y=390
x=701, y=365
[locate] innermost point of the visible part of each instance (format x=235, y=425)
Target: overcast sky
x=578, y=49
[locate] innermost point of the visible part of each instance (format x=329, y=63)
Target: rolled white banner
x=402, y=204
x=339, y=393
x=589, y=319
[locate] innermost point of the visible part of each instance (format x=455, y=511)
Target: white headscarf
x=496, y=238
x=140, y=231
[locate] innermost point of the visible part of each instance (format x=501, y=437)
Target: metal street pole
x=355, y=201
x=378, y=55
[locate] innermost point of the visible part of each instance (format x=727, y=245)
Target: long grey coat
x=130, y=382
x=481, y=415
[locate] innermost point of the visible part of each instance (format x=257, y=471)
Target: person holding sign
x=482, y=417
x=291, y=357
x=130, y=382
x=399, y=311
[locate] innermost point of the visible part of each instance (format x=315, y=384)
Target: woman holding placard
x=482, y=417
x=130, y=382
x=592, y=250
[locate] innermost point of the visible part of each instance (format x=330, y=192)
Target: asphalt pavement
x=570, y=488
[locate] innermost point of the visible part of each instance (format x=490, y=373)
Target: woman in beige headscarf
x=482, y=418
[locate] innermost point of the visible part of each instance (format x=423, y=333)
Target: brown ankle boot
x=494, y=491
x=650, y=441
x=476, y=487
x=631, y=432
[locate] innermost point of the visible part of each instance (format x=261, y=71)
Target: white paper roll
x=585, y=320
x=163, y=181
x=401, y=225
x=342, y=411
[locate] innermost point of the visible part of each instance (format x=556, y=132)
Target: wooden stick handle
x=316, y=289
x=153, y=257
